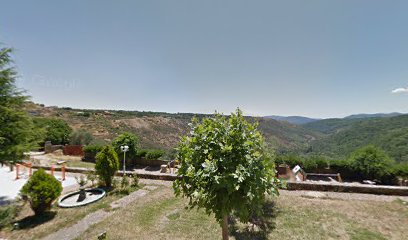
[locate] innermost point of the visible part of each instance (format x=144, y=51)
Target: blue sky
x=313, y=58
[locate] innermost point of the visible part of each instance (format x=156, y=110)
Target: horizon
x=316, y=59
x=223, y=113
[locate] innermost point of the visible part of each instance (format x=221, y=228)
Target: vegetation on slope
x=343, y=136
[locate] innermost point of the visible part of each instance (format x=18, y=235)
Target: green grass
x=160, y=215
x=80, y=164
x=33, y=227
x=163, y=216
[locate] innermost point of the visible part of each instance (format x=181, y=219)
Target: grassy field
x=32, y=227
x=160, y=215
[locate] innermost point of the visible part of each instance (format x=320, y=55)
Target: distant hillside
x=162, y=130
x=374, y=115
x=298, y=120
x=329, y=137
x=342, y=136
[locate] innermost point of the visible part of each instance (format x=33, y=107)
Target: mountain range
x=300, y=120
x=334, y=138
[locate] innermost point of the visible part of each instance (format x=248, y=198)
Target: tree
x=56, y=130
x=41, y=190
x=372, y=162
x=129, y=139
x=107, y=164
x=224, y=168
x=17, y=132
x=80, y=137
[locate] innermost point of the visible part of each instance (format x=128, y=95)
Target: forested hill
x=162, y=130
x=342, y=136
x=335, y=138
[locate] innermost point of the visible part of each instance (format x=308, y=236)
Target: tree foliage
x=372, y=162
x=224, y=168
x=41, y=190
x=107, y=164
x=56, y=130
x=80, y=137
x=129, y=139
x=17, y=132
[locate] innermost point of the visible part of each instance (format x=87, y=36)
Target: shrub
x=7, y=214
x=41, y=190
x=345, y=168
x=107, y=164
x=135, y=181
x=372, y=163
x=142, y=153
x=401, y=170
x=81, y=137
x=90, y=152
x=154, y=154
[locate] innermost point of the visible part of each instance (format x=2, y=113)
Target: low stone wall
x=290, y=185
x=339, y=187
x=152, y=163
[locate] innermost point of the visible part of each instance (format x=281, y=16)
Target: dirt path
x=80, y=227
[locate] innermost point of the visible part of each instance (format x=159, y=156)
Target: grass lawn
x=80, y=164
x=32, y=227
x=162, y=216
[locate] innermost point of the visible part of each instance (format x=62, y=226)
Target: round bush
x=41, y=190
x=107, y=164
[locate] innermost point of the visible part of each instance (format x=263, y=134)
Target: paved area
x=80, y=227
x=10, y=187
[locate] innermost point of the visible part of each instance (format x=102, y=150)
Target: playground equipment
x=23, y=170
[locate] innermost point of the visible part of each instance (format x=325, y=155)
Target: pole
x=124, y=163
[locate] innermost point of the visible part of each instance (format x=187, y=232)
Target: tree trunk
x=224, y=226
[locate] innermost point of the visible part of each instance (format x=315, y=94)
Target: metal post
x=124, y=163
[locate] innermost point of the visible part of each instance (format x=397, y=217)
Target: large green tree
x=224, y=168
x=17, y=132
x=130, y=140
x=372, y=163
x=56, y=130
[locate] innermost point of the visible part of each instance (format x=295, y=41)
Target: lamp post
x=124, y=149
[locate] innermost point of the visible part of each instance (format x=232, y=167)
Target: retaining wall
x=290, y=185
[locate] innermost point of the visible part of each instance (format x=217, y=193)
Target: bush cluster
x=368, y=162
x=41, y=190
x=150, y=154
x=107, y=163
x=90, y=152
x=7, y=214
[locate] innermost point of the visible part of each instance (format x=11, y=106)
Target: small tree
x=41, y=190
x=80, y=137
x=224, y=168
x=131, y=141
x=372, y=162
x=56, y=130
x=107, y=164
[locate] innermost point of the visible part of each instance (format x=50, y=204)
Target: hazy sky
x=315, y=58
